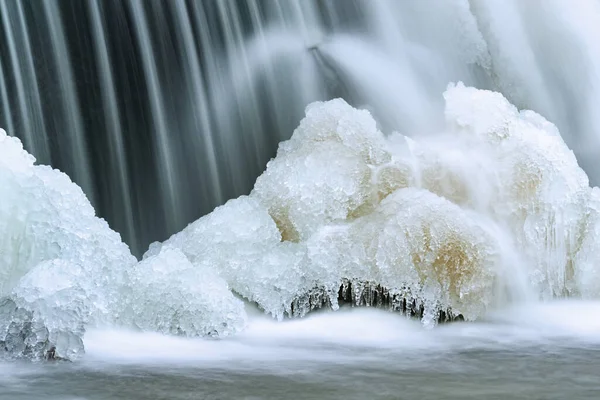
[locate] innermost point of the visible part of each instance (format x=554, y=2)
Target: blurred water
x=162, y=110
x=537, y=352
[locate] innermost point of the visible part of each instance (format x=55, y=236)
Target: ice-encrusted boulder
x=435, y=227
x=50, y=308
x=536, y=184
x=240, y=242
x=169, y=295
x=45, y=216
x=53, y=247
x=428, y=250
x=62, y=269
x=431, y=226
x=324, y=172
x=314, y=226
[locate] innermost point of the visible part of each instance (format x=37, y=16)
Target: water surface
x=549, y=351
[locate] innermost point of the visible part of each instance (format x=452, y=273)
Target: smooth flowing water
x=162, y=110
x=536, y=352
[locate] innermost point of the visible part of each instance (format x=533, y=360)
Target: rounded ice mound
x=324, y=172
x=431, y=250
x=337, y=121
x=343, y=213
x=170, y=295
x=241, y=227
x=481, y=112
x=240, y=242
x=47, y=223
x=47, y=311
x=45, y=216
x=309, y=188
x=420, y=250
x=540, y=190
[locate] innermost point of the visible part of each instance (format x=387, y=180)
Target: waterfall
x=163, y=110
x=432, y=158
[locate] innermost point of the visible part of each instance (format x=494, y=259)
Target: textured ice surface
x=324, y=172
x=539, y=188
x=428, y=248
x=586, y=250
x=491, y=210
x=54, y=253
x=428, y=221
x=49, y=308
x=240, y=242
x=169, y=295
x=63, y=269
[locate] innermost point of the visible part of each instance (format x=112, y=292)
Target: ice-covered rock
x=435, y=227
x=50, y=236
x=429, y=251
x=48, y=310
x=324, y=173
x=538, y=187
x=240, y=242
x=170, y=295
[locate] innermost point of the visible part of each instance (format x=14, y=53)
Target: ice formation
x=431, y=226
x=437, y=227
x=63, y=269
x=60, y=266
x=169, y=295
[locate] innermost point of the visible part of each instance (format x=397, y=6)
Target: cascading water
x=467, y=205
x=162, y=110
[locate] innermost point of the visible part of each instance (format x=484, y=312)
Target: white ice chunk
x=170, y=295
x=47, y=224
x=48, y=311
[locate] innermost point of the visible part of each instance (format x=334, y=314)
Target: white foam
x=349, y=335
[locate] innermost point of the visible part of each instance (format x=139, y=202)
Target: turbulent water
x=433, y=185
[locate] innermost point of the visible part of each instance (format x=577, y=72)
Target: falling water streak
x=522, y=83
x=307, y=34
x=36, y=116
x=405, y=113
x=167, y=163
x=42, y=143
x=201, y=111
x=5, y=103
x=268, y=66
x=27, y=130
x=217, y=89
x=235, y=50
x=81, y=169
x=250, y=69
x=115, y=133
